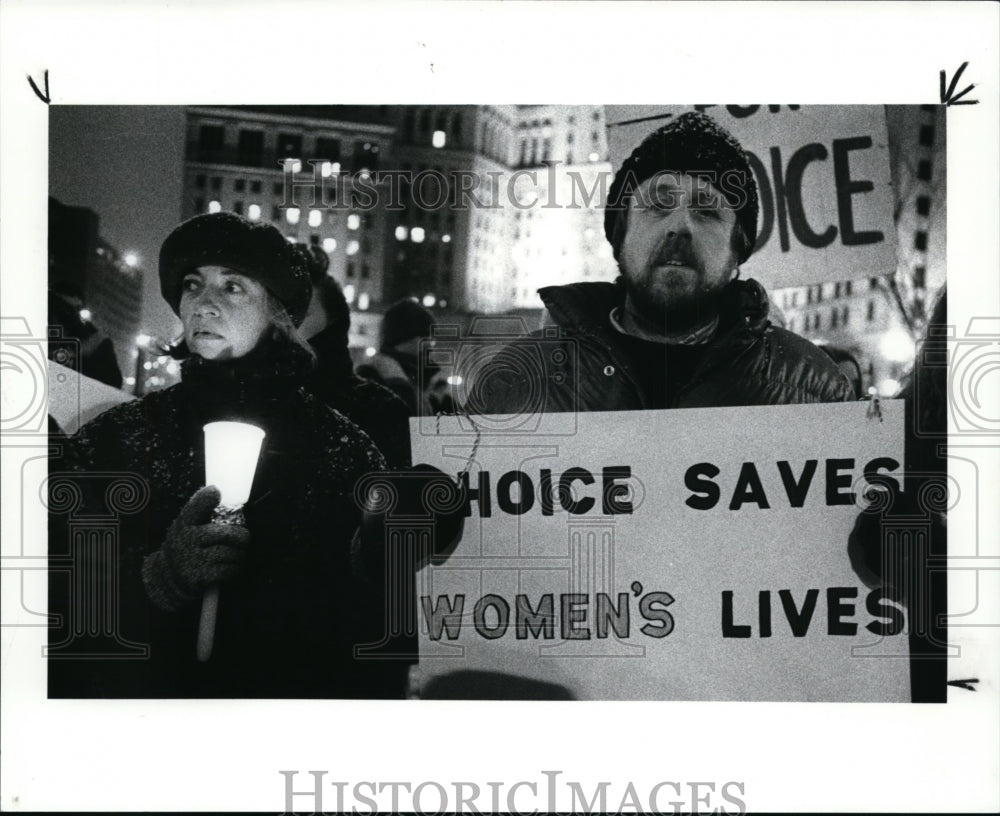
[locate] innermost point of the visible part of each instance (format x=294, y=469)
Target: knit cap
x=405, y=320
x=690, y=143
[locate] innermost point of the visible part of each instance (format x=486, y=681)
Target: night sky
x=126, y=164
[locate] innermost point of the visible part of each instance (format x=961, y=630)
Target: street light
x=131, y=259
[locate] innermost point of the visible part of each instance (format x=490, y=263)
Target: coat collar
x=584, y=309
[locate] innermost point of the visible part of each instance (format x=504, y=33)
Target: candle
x=231, y=453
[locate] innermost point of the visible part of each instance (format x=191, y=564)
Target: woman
x=293, y=602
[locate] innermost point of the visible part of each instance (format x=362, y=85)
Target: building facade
x=106, y=284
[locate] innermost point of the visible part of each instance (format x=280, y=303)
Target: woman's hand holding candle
x=196, y=555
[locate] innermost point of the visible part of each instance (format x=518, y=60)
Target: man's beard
x=678, y=311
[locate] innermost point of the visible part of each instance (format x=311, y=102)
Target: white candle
x=231, y=453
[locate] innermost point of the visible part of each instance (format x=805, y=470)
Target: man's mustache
x=675, y=252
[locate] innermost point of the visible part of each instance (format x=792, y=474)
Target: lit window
x=315, y=218
x=352, y=247
x=353, y=221
x=349, y=293
x=445, y=239
x=417, y=235
x=295, y=165
x=253, y=212
x=326, y=169
x=214, y=206
x=329, y=244
x=363, y=301
x=438, y=139
x=401, y=233
x=292, y=215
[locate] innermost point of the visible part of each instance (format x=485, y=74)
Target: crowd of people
x=307, y=575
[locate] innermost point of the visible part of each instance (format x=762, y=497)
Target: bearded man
x=679, y=328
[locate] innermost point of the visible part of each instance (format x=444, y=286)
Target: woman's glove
x=195, y=555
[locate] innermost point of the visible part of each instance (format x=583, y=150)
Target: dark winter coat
x=288, y=623
x=372, y=407
x=586, y=365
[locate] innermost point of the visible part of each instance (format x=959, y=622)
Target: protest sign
x=669, y=555
x=74, y=399
x=823, y=180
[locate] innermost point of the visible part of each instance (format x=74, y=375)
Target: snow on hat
x=256, y=250
x=691, y=143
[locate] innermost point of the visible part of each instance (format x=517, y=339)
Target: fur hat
x=256, y=250
x=691, y=143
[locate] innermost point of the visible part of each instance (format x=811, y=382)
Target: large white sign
x=668, y=555
x=823, y=180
